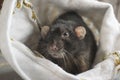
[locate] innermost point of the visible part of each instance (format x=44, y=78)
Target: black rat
x=69, y=43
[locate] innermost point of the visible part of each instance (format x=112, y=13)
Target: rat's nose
x=54, y=47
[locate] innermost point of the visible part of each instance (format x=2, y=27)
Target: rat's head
x=59, y=39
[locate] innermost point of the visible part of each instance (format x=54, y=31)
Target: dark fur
x=79, y=54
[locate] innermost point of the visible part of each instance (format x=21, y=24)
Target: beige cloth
x=116, y=7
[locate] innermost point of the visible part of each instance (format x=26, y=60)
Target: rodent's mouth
x=58, y=54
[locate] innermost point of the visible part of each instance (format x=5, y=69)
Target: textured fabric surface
x=116, y=6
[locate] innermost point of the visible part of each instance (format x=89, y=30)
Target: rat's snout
x=54, y=47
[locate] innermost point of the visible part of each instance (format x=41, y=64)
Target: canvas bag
x=19, y=27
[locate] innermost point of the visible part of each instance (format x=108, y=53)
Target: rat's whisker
x=64, y=60
x=75, y=61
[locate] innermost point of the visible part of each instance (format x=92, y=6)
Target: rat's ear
x=80, y=32
x=44, y=31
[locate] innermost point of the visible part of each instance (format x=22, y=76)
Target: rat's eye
x=65, y=35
